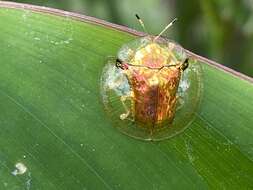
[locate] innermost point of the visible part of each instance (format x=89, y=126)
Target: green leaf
x=52, y=121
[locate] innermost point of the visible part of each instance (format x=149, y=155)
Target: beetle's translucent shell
x=151, y=99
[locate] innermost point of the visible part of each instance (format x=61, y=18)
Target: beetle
x=145, y=80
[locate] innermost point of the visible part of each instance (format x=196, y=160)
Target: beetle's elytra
x=149, y=91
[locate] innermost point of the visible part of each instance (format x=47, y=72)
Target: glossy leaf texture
x=52, y=119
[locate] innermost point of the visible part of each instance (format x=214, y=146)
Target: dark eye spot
x=118, y=63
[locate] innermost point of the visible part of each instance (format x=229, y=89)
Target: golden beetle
x=144, y=80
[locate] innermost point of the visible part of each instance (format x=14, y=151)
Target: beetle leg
x=123, y=99
x=180, y=102
x=184, y=65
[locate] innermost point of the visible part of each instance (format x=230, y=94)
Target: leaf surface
x=52, y=119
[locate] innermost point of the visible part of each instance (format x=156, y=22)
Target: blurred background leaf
x=220, y=30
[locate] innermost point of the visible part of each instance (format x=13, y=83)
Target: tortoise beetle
x=152, y=89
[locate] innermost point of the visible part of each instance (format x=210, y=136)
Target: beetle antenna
x=141, y=23
x=169, y=25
